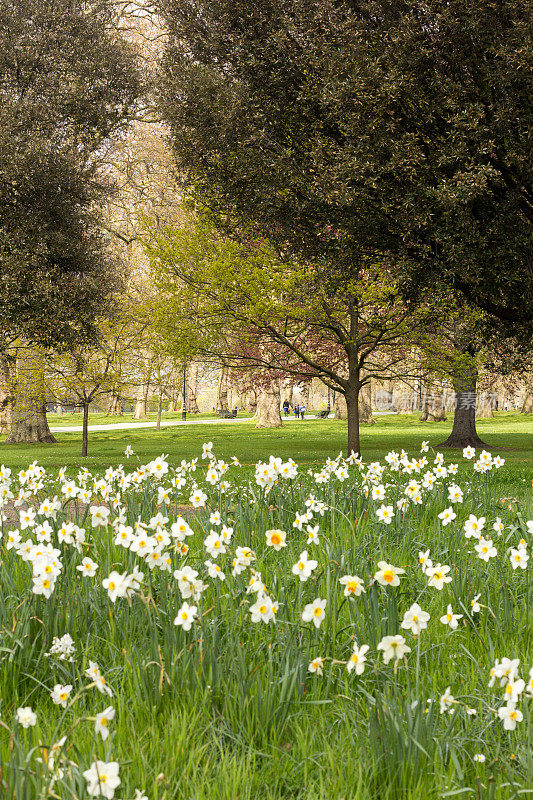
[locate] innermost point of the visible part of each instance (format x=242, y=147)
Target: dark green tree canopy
x=338, y=128
x=67, y=83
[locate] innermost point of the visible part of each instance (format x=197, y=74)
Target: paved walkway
x=173, y=423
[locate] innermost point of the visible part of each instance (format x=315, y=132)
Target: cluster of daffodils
x=101, y=777
x=268, y=474
x=126, y=532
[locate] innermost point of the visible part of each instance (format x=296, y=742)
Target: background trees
x=339, y=127
x=237, y=302
x=68, y=83
x=348, y=132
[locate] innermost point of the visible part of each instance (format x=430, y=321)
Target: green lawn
x=307, y=442
x=229, y=708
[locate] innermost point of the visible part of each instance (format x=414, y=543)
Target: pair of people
x=299, y=411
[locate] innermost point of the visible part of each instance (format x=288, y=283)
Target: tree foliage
x=346, y=128
x=67, y=84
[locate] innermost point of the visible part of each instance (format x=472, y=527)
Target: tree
x=398, y=126
x=237, y=303
x=343, y=131
x=86, y=373
x=68, y=84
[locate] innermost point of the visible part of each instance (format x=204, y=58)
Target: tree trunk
x=29, y=424
x=352, y=411
x=192, y=399
x=341, y=408
x=159, y=410
x=404, y=402
x=464, y=432
x=141, y=402
x=250, y=401
x=113, y=407
x=433, y=409
x=85, y=430
x=268, y=413
x=223, y=389
x=526, y=399
x=365, y=405
x=6, y=398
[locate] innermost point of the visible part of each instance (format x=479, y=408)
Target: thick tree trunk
x=85, y=430
x=192, y=397
x=250, y=401
x=223, y=389
x=268, y=413
x=5, y=395
x=29, y=424
x=464, y=432
x=404, y=402
x=365, y=413
x=365, y=405
x=113, y=407
x=141, y=402
x=433, y=409
x=526, y=399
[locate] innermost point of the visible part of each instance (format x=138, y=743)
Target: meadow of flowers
x=186, y=631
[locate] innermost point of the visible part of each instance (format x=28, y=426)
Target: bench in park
x=322, y=414
x=225, y=414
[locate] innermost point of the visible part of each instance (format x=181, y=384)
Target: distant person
x=235, y=411
x=296, y=410
x=302, y=410
x=286, y=407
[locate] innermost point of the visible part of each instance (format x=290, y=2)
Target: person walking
x=296, y=410
x=302, y=410
x=286, y=407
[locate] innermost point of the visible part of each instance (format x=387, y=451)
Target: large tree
x=343, y=129
x=68, y=83
x=238, y=303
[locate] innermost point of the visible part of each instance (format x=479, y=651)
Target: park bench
x=322, y=414
x=225, y=414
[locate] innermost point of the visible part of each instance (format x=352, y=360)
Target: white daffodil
x=519, y=558
x=262, y=610
x=186, y=616
x=447, y=516
x=387, y=575
x=451, y=619
x=60, y=694
x=102, y=779
x=304, y=566
x=353, y=585
x=276, y=538
x=316, y=666
x=438, y=575
x=415, y=620
x=485, y=549
x=393, y=647
x=446, y=701
x=510, y=715
x=315, y=612
x=357, y=660
x=87, y=567
x=26, y=717
x=102, y=721
x=385, y=514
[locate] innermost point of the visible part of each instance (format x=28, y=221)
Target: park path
x=172, y=423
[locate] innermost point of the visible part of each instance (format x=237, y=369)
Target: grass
x=307, y=441
x=229, y=709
